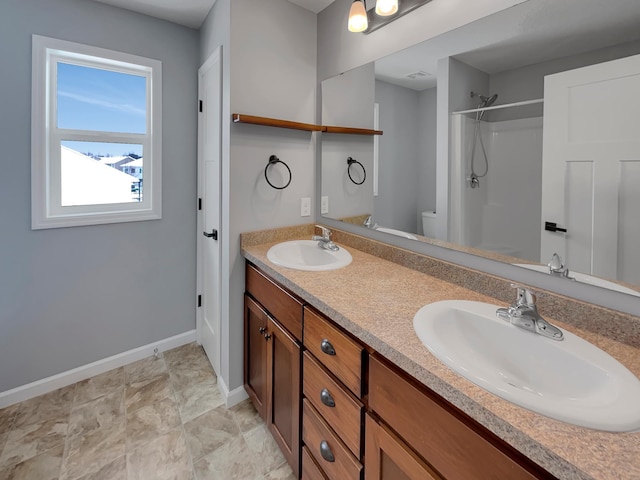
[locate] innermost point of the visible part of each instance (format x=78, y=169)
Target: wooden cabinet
x=333, y=411
x=314, y=404
x=389, y=458
x=273, y=361
x=452, y=444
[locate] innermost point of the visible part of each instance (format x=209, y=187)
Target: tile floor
x=155, y=419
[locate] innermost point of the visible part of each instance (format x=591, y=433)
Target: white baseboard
x=46, y=385
x=232, y=397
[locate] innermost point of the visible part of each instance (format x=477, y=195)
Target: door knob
x=553, y=227
x=213, y=234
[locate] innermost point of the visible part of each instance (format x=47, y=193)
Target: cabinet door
x=283, y=416
x=388, y=458
x=255, y=355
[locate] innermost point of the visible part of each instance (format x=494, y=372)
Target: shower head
x=487, y=101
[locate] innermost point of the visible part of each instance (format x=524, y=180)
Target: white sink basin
x=570, y=380
x=583, y=277
x=398, y=233
x=307, y=255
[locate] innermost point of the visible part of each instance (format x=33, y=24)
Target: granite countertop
x=375, y=300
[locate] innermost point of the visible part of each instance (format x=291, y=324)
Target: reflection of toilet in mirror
x=429, y=220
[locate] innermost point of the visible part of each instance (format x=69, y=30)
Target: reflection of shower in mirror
x=485, y=102
x=503, y=217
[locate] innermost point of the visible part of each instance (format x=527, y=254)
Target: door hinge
x=200, y=107
x=199, y=300
x=199, y=204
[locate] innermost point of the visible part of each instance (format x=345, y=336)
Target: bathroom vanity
x=349, y=392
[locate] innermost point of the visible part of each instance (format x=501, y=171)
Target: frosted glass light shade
x=358, y=17
x=384, y=8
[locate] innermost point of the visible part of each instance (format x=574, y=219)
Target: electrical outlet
x=324, y=205
x=305, y=207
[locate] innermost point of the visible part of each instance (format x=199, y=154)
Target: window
x=96, y=135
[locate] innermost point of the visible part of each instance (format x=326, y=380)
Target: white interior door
x=209, y=152
x=591, y=168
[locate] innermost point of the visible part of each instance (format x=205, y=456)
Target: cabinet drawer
x=277, y=301
x=310, y=469
x=318, y=437
x=452, y=444
x=345, y=416
x=340, y=354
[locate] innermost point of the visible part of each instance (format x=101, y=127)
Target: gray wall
x=72, y=296
x=427, y=152
x=272, y=73
x=399, y=162
x=347, y=100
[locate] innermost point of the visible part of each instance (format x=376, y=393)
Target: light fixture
x=384, y=8
x=386, y=11
x=358, y=21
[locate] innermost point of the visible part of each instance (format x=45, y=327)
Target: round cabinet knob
x=326, y=398
x=326, y=347
x=267, y=336
x=326, y=452
x=262, y=330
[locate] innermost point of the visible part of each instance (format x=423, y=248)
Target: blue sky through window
x=101, y=100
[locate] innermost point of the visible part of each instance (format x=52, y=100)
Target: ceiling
x=191, y=13
x=525, y=34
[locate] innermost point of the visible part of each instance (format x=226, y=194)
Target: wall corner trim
x=69, y=377
x=232, y=397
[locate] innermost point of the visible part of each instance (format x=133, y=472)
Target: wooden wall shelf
x=351, y=131
x=308, y=127
x=274, y=122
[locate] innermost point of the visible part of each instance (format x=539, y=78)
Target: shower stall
x=496, y=177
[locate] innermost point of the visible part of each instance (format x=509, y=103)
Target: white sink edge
x=342, y=256
x=611, y=416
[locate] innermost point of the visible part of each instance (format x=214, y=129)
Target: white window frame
x=46, y=208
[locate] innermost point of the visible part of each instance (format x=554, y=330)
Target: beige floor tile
x=198, y=399
x=147, y=392
x=148, y=423
x=7, y=415
x=95, y=414
x=144, y=370
x=228, y=462
x=3, y=441
x=86, y=454
x=99, y=385
x=45, y=466
x=283, y=472
x=183, y=354
x=265, y=451
x=209, y=431
x=31, y=440
x=52, y=405
x=246, y=416
x=188, y=366
x=165, y=457
x=116, y=470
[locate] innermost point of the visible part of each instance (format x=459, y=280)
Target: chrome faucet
x=557, y=268
x=369, y=223
x=524, y=314
x=324, y=240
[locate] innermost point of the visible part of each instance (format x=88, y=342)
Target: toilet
x=429, y=219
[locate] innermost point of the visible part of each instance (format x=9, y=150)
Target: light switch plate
x=324, y=205
x=305, y=207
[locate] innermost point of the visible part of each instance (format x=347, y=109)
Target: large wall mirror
x=472, y=156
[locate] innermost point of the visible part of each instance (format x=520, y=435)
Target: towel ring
x=351, y=161
x=272, y=161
